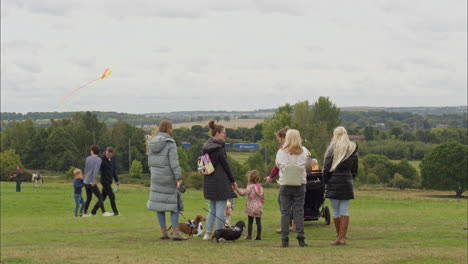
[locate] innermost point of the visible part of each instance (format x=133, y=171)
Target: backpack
x=205, y=166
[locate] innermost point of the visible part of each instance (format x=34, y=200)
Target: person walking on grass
x=19, y=178
x=92, y=166
x=291, y=160
x=77, y=186
x=166, y=179
x=218, y=186
x=339, y=170
x=254, y=206
x=108, y=174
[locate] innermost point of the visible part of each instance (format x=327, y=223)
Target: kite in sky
x=106, y=73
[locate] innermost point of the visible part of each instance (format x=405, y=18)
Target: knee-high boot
x=337, y=228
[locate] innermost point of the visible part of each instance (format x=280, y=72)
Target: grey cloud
x=293, y=7
x=161, y=50
x=89, y=62
x=31, y=68
x=49, y=7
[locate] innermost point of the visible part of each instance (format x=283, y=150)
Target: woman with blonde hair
x=166, y=179
x=339, y=170
x=291, y=160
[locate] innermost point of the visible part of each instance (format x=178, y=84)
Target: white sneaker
x=88, y=215
x=107, y=214
x=207, y=237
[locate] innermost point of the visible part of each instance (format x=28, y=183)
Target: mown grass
x=240, y=157
x=386, y=226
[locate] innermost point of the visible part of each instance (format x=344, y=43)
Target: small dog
x=230, y=234
x=192, y=227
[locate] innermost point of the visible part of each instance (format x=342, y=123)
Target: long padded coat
x=163, y=162
x=217, y=186
x=339, y=183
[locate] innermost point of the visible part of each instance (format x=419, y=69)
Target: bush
x=137, y=169
x=401, y=182
x=69, y=173
x=9, y=161
x=372, y=178
x=194, y=180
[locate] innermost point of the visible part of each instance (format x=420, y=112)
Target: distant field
x=241, y=157
x=234, y=123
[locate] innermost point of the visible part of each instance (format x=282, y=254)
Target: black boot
x=249, y=228
x=258, y=221
x=285, y=243
x=302, y=243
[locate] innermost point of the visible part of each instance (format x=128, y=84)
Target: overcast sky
x=231, y=55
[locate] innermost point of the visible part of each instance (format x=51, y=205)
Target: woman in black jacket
x=217, y=186
x=340, y=168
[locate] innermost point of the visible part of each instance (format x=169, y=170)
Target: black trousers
x=107, y=191
x=90, y=190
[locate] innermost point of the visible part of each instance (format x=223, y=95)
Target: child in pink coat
x=254, y=206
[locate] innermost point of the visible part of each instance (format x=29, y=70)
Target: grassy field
x=386, y=226
x=241, y=157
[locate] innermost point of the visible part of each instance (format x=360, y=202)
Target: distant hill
x=150, y=119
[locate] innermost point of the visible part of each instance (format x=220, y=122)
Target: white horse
x=37, y=178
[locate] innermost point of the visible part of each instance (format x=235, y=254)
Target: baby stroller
x=314, y=207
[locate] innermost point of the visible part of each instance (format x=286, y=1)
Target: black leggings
x=89, y=195
x=258, y=221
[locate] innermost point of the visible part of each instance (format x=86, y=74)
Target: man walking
x=108, y=173
x=19, y=178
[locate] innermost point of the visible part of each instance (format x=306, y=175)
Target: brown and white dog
x=192, y=228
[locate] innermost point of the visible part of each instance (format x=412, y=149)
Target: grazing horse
x=37, y=178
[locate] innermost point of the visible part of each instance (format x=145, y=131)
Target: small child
x=228, y=212
x=77, y=186
x=254, y=206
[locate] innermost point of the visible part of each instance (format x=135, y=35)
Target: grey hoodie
x=163, y=161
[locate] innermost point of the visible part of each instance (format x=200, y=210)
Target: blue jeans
x=174, y=219
x=216, y=214
x=340, y=207
x=18, y=186
x=79, y=201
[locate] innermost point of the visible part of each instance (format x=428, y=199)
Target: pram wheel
x=326, y=214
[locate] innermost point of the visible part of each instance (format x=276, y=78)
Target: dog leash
x=224, y=221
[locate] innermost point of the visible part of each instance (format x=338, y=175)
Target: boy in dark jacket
x=77, y=186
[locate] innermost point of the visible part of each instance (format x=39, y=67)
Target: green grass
x=386, y=226
x=241, y=157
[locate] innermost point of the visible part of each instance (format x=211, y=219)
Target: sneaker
x=117, y=214
x=88, y=215
x=107, y=214
x=207, y=237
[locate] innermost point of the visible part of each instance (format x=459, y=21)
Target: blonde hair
x=341, y=147
x=165, y=126
x=293, y=142
x=254, y=176
x=77, y=172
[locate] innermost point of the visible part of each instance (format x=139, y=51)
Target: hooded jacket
x=339, y=183
x=217, y=186
x=163, y=162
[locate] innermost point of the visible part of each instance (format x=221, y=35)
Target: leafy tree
x=137, y=169
x=445, y=168
x=369, y=133
x=183, y=160
x=227, y=118
x=396, y=131
x=9, y=160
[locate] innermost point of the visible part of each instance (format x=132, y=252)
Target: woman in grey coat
x=166, y=179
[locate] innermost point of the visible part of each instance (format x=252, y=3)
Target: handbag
x=205, y=166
